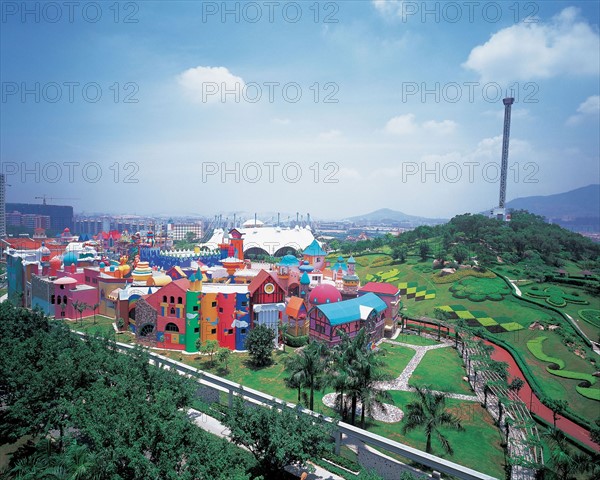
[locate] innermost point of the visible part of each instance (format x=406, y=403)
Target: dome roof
x=304, y=280
x=55, y=262
x=324, y=294
x=289, y=261
x=70, y=258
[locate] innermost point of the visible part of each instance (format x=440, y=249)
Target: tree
x=516, y=385
x=564, y=462
x=94, y=307
x=460, y=254
x=399, y=253
x=259, y=344
x=557, y=407
x=277, y=436
x=80, y=307
x=209, y=347
x=283, y=328
x=424, y=250
x=223, y=355
x=308, y=367
x=429, y=413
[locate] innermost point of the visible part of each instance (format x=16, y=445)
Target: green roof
x=349, y=310
x=314, y=249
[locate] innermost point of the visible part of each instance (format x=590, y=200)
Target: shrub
x=296, y=342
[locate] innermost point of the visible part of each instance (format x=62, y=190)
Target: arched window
x=58, y=300
x=179, y=300
x=164, y=299
x=146, y=330
x=65, y=299
x=172, y=311
x=171, y=327
x=171, y=299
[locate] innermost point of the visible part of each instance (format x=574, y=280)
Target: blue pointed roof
x=304, y=280
x=314, y=249
x=351, y=259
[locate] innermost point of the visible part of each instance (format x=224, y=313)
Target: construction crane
x=46, y=197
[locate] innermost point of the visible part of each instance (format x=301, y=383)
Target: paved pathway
x=215, y=427
x=401, y=383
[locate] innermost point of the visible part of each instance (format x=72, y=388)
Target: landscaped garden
x=442, y=369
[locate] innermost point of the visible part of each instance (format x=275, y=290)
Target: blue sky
x=373, y=104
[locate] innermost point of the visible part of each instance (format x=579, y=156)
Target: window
x=214, y=304
x=220, y=309
x=243, y=331
x=171, y=299
x=195, y=308
x=179, y=300
x=65, y=299
x=244, y=304
x=164, y=299
x=62, y=287
x=230, y=331
x=94, y=280
x=196, y=330
x=213, y=331
x=172, y=311
x=58, y=300
x=171, y=327
x=87, y=279
x=53, y=299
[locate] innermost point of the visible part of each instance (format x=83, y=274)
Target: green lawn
x=101, y=325
x=442, y=369
x=415, y=340
x=469, y=452
x=396, y=358
x=478, y=447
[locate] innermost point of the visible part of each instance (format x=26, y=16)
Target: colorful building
x=327, y=319
x=267, y=298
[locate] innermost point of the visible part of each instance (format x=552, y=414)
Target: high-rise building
x=61, y=216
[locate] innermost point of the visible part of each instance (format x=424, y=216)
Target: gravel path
x=401, y=383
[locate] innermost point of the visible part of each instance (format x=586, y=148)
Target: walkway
x=215, y=427
x=401, y=383
x=534, y=404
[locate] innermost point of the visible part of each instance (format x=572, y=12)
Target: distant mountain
x=388, y=216
x=579, y=203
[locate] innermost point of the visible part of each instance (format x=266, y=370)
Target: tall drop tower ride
x=500, y=212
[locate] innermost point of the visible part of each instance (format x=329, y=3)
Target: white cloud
x=444, y=127
x=330, y=135
x=388, y=7
x=211, y=85
x=282, y=121
x=590, y=107
x=401, y=125
x=529, y=51
x=406, y=125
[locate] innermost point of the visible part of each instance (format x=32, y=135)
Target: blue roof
x=304, y=280
x=289, y=261
x=349, y=310
x=314, y=249
x=351, y=259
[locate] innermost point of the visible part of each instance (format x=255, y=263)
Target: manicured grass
x=415, y=340
x=396, y=359
x=442, y=369
x=479, y=447
x=101, y=326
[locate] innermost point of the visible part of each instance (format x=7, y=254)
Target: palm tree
x=94, y=307
x=296, y=379
x=307, y=369
x=429, y=413
x=564, y=462
x=369, y=374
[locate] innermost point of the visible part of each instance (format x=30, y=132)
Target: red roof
x=22, y=243
x=380, y=287
x=260, y=279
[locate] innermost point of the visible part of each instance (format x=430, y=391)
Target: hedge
x=296, y=342
x=536, y=347
x=460, y=274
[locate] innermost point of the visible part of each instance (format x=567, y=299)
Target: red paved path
x=534, y=403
